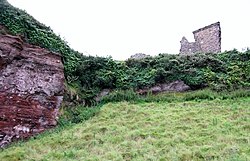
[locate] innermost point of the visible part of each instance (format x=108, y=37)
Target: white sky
x=121, y=28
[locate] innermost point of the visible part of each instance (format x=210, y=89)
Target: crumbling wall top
x=207, y=40
x=206, y=27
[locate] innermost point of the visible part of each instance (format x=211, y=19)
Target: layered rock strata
x=31, y=89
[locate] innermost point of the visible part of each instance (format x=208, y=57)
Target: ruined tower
x=207, y=40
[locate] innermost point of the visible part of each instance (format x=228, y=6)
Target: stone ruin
x=207, y=40
x=138, y=56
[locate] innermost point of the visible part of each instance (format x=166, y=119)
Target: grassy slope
x=207, y=130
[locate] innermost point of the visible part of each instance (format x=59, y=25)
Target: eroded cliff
x=31, y=88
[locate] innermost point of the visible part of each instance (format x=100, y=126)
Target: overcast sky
x=121, y=28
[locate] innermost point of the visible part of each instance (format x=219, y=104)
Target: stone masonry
x=207, y=40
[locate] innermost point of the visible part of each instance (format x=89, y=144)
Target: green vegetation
x=212, y=127
x=80, y=113
x=18, y=22
x=209, y=124
x=229, y=70
x=88, y=75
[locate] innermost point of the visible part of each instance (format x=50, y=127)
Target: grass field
x=188, y=130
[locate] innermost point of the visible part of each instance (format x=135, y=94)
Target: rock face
x=31, y=89
x=176, y=86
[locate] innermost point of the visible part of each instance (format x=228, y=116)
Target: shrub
x=229, y=70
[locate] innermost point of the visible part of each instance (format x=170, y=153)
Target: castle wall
x=189, y=47
x=207, y=40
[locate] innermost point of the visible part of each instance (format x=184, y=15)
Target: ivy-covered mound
x=18, y=22
x=229, y=70
x=88, y=75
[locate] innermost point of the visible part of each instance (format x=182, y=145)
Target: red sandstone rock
x=31, y=89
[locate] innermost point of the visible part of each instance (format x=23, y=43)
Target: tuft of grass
x=205, y=94
x=76, y=114
x=121, y=95
x=236, y=94
x=215, y=129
